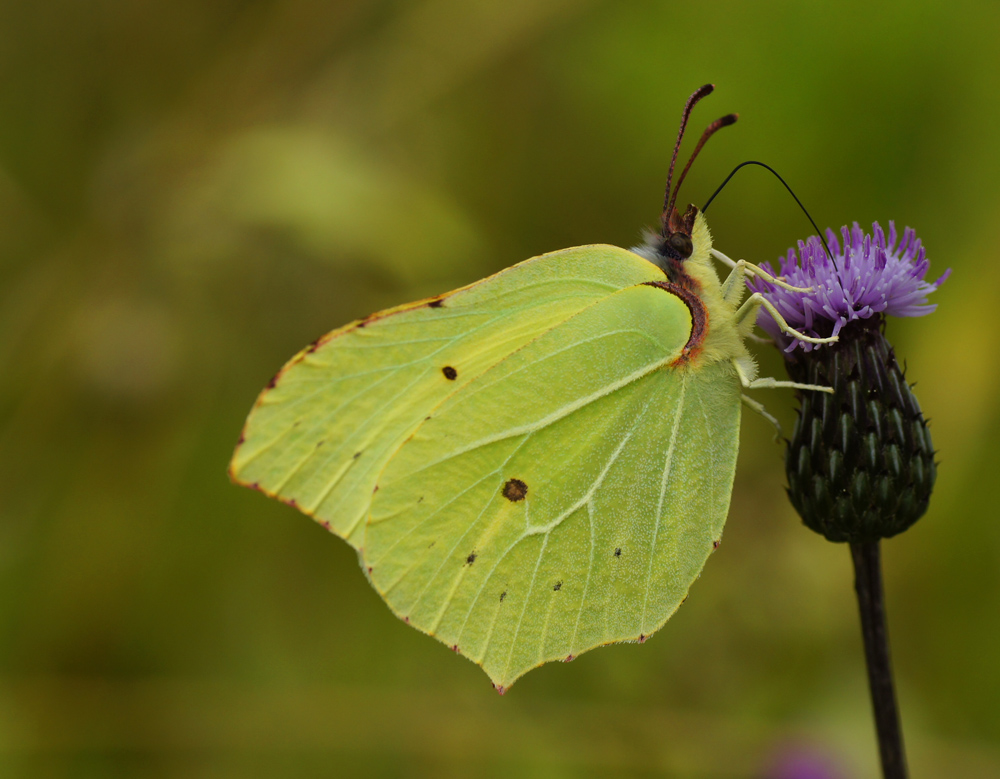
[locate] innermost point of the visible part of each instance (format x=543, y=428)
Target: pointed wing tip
x=502, y=684
x=231, y=471
x=256, y=486
x=234, y=477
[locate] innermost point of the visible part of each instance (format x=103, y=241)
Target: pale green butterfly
x=536, y=464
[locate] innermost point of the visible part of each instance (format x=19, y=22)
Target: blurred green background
x=191, y=191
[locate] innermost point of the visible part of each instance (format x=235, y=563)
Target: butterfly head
x=679, y=248
x=675, y=240
x=678, y=239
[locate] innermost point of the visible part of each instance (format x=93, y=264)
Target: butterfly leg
x=723, y=258
x=748, y=313
x=733, y=286
x=769, y=383
x=758, y=408
x=750, y=382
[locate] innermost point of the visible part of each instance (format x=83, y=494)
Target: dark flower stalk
x=860, y=464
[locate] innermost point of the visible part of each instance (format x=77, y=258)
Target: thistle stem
x=871, y=602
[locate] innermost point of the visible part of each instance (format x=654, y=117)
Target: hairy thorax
x=721, y=340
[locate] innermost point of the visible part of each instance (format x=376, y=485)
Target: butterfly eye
x=681, y=244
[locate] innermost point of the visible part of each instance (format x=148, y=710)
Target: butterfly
x=538, y=463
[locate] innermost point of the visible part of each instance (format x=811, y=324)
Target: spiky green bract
x=860, y=464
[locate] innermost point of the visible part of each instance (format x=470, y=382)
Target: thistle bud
x=860, y=464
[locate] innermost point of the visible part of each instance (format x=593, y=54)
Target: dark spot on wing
x=273, y=381
x=449, y=373
x=715, y=544
x=369, y=569
x=357, y=455
x=320, y=442
x=618, y=552
x=500, y=688
x=503, y=595
x=471, y=558
x=515, y=490
x=642, y=638
x=557, y=586
x=436, y=303
x=406, y=620
x=242, y=439
x=569, y=659
x=454, y=647
x=431, y=544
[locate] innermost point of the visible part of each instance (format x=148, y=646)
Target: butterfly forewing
x=551, y=506
x=321, y=434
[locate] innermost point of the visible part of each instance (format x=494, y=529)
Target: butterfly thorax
x=722, y=340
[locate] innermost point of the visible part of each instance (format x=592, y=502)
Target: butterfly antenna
x=688, y=106
x=794, y=196
x=718, y=124
x=790, y=192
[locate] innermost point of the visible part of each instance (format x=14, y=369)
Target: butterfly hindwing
x=567, y=497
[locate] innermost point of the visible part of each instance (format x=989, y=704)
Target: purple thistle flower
x=860, y=464
x=867, y=277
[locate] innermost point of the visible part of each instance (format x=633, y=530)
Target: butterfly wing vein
x=617, y=520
